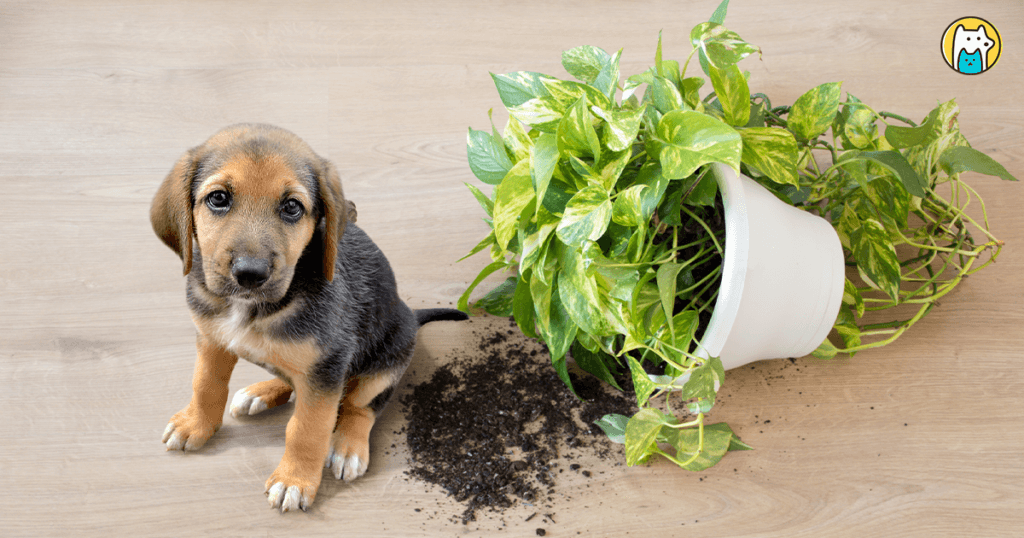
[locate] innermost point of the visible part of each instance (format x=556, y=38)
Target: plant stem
x=764, y=99
x=885, y=114
x=706, y=228
x=700, y=444
x=695, y=422
x=694, y=185
x=716, y=272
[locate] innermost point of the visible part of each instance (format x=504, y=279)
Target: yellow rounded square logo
x=971, y=45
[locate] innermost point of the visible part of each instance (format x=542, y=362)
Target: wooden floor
x=98, y=99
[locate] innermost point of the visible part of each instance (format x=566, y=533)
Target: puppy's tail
x=426, y=315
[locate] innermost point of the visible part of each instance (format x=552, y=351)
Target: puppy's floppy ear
x=336, y=214
x=171, y=211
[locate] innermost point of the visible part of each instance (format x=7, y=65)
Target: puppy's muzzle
x=250, y=273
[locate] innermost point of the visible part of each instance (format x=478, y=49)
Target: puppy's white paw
x=287, y=498
x=347, y=467
x=244, y=403
x=185, y=433
x=173, y=440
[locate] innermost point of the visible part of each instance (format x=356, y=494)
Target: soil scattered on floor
x=496, y=427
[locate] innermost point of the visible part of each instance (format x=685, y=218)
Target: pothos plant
x=602, y=213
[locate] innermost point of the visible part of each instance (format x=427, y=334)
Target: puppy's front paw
x=291, y=492
x=188, y=430
x=347, y=460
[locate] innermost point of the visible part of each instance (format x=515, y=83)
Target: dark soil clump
x=492, y=428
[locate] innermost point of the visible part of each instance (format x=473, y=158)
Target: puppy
x=278, y=274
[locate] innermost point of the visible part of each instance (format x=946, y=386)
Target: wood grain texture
x=98, y=99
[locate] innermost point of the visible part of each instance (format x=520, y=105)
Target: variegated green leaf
x=585, y=301
x=608, y=79
x=688, y=139
x=511, y=196
x=540, y=294
x=852, y=297
x=627, y=209
x=703, y=385
x=846, y=326
x=543, y=159
x=688, y=447
x=641, y=435
x=557, y=195
x=561, y=329
x=586, y=216
x=651, y=176
x=610, y=168
x=592, y=65
x=773, y=151
x=892, y=199
x=542, y=113
x=684, y=326
x=825, y=351
x=733, y=94
x=514, y=89
x=516, y=139
x=721, y=47
x=690, y=90
x=619, y=282
x=876, y=256
x=635, y=81
x=534, y=244
x=642, y=385
x=567, y=93
x=585, y=62
x=498, y=301
x=665, y=95
x=859, y=127
x=620, y=128
x=812, y=114
x=576, y=134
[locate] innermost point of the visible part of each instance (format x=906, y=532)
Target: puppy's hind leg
x=365, y=396
x=259, y=397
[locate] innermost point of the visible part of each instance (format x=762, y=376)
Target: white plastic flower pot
x=782, y=277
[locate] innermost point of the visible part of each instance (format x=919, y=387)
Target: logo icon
x=971, y=45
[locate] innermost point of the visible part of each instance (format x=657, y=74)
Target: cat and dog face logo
x=971, y=45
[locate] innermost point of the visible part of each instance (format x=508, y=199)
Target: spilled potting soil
x=495, y=428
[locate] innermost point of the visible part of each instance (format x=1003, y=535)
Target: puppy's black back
x=358, y=319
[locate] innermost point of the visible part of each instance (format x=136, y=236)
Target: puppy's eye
x=218, y=200
x=292, y=210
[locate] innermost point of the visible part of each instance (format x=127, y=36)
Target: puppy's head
x=250, y=200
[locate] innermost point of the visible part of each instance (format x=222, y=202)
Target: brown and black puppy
x=279, y=275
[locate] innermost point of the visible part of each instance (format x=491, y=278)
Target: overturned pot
x=782, y=278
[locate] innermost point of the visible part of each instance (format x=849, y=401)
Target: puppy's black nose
x=250, y=273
